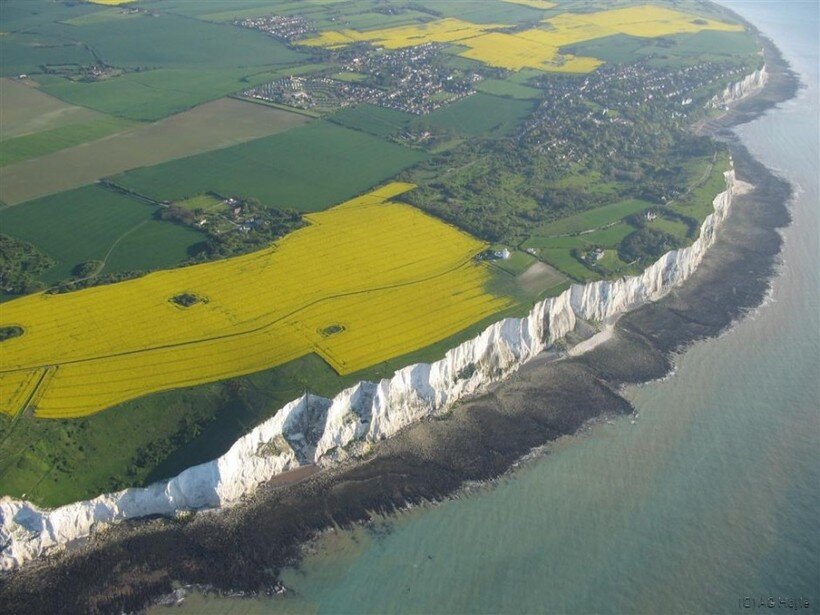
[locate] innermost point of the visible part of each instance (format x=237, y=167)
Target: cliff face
x=741, y=89
x=314, y=429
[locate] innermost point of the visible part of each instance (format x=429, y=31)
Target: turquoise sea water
x=710, y=496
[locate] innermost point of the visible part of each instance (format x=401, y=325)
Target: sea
x=707, y=501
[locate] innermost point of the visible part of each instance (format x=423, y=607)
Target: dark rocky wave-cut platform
x=128, y=566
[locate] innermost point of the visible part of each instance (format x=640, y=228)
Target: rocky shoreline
x=241, y=548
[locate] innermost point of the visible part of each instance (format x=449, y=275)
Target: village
x=413, y=80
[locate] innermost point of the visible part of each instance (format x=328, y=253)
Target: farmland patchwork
x=538, y=48
x=366, y=281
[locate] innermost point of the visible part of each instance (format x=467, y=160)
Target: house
x=650, y=215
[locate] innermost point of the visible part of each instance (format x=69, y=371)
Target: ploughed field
x=363, y=282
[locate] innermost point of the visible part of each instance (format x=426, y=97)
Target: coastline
x=413, y=467
x=312, y=431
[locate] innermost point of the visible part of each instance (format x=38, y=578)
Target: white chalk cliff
x=744, y=88
x=314, y=429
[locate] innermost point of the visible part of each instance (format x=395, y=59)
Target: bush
x=646, y=244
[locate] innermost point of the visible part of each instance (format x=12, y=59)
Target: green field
x=557, y=251
x=480, y=114
x=171, y=41
x=349, y=77
x=38, y=144
x=503, y=87
x=673, y=227
x=205, y=202
x=155, y=94
x=697, y=204
x=103, y=16
x=591, y=219
x=516, y=264
x=25, y=110
x=705, y=45
x=154, y=245
x=85, y=224
x=41, y=34
x=375, y=120
x=210, y=126
x=308, y=168
x=482, y=11
x=563, y=260
x=26, y=52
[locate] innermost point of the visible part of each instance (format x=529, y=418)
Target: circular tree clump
x=9, y=332
x=186, y=300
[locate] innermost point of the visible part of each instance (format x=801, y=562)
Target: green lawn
x=308, y=168
x=84, y=224
x=480, y=114
x=205, y=202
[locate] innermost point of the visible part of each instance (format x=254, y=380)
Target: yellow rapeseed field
x=536, y=4
x=447, y=30
x=537, y=48
x=110, y=2
x=364, y=282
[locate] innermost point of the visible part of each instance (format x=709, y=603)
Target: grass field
x=484, y=12
x=536, y=4
x=205, y=202
x=558, y=250
x=308, y=168
x=365, y=281
x=25, y=110
x=84, y=224
x=480, y=114
x=501, y=87
x=25, y=52
x=40, y=34
x=588, y=220
x=707, y=45
x=113, y=14
x=25, y=147
x=211, y=126
x=562, y=259
x=165, y=40
x=155, y=94
x=375, y=120
x=697, y=204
